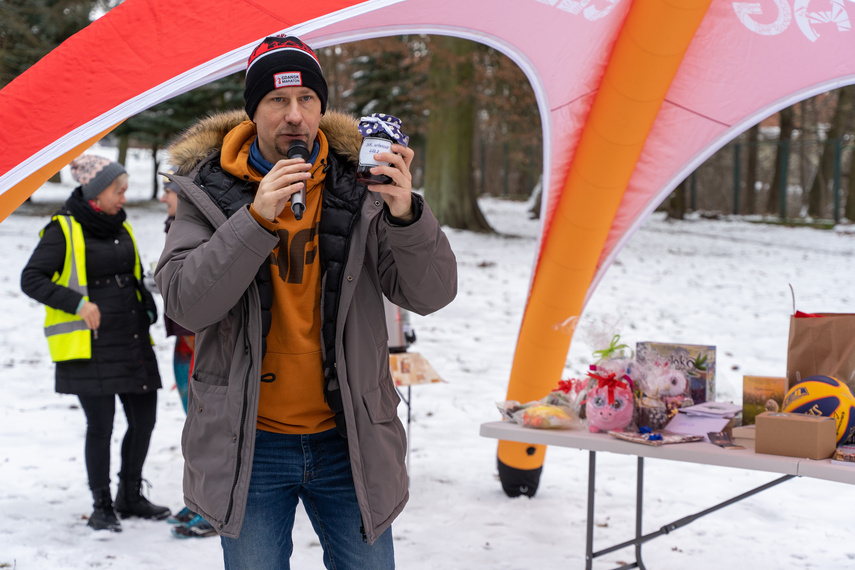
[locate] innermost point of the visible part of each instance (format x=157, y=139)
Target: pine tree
x=154, y=127
x=389, y=75
x=30, y=29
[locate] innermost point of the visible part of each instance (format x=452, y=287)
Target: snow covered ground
x=723, y=283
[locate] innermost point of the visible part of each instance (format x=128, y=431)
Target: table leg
x=409, y=420
x=668, y=528
x=639, y=496
x=589, y=537
x=409, y=417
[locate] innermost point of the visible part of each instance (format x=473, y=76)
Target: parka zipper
x=341, y=278
x=335, y=321
x=247, y=350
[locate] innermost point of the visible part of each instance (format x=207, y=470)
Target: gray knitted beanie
x=94, y=173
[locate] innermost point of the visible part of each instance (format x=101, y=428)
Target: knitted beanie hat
x=282, y=62
x=168, y=184
x=94, y=173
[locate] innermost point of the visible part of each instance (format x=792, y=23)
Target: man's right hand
x=91, y=315
x=285, y=178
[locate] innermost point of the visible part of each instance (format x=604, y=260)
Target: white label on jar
x=370, y=147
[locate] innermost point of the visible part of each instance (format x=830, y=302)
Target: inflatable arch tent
x=633, y=97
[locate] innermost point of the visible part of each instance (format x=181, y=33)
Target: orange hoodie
x=292, y=381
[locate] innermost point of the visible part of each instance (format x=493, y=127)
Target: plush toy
x=673, y=386
x=610, y=402
x=666, y=383
x=664, y=389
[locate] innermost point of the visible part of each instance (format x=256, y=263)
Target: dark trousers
x=141, y=412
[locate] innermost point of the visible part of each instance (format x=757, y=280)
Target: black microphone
x=298, y=149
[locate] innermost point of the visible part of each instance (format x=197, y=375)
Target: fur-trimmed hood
x=193, y=145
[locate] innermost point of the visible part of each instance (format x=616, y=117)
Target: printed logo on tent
x=806, y=20
x=587, y=8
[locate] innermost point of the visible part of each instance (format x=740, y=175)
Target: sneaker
x=183, y=516
x=196, y=528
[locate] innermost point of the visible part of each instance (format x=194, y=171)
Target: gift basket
x=623, y=389
x=558, y=409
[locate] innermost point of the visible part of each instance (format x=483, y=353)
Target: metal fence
x=721, y=184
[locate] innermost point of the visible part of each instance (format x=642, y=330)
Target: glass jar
x=379, y=132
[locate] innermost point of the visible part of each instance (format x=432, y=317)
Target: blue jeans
x=313, y=468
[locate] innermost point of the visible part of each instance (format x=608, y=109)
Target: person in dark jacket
x=87, y=272
x=292, y=398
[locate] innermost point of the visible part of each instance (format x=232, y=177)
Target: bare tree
x=849, y=211
x=773, y=202
x=753, y=151
x=825, y=172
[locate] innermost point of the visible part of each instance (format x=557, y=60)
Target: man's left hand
x=397, y=194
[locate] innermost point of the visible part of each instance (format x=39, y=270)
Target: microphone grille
x=298, y=149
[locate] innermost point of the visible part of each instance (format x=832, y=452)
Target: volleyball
x=824, y=396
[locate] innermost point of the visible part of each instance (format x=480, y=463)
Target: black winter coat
x=123, y=360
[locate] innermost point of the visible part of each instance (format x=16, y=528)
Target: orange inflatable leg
x=647, y=54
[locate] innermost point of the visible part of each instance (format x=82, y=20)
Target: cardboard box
x=796, y=435
x=745, y=432
x=762, y=394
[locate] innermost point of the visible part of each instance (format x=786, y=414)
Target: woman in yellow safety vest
x=87, y=272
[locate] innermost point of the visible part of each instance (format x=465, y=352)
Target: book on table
x=655, y=437
x=845, y=454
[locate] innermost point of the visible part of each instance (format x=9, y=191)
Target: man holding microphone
x=292, y=398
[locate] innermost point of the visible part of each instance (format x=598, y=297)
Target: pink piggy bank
x=603, y=414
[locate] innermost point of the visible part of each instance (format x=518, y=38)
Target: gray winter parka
x=207, y=278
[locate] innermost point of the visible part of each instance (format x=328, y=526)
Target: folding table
x=695, y=452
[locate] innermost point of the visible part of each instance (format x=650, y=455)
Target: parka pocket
x=382, y=402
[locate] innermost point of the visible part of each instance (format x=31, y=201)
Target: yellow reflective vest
x=67, y=334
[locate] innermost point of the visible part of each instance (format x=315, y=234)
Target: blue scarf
x=260, y=164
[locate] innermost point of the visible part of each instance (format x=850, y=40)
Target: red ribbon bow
x=609, y=382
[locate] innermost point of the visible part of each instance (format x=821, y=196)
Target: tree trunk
x=154, y=149
x=849, y=209
x=773, y=204
x=677, y=201
x=536, y=200
x=124, y=142
x=449, y=181
x=807, y=122
x=751, y=170
x=825, y=172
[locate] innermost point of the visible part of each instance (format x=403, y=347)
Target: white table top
x=695, y=452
